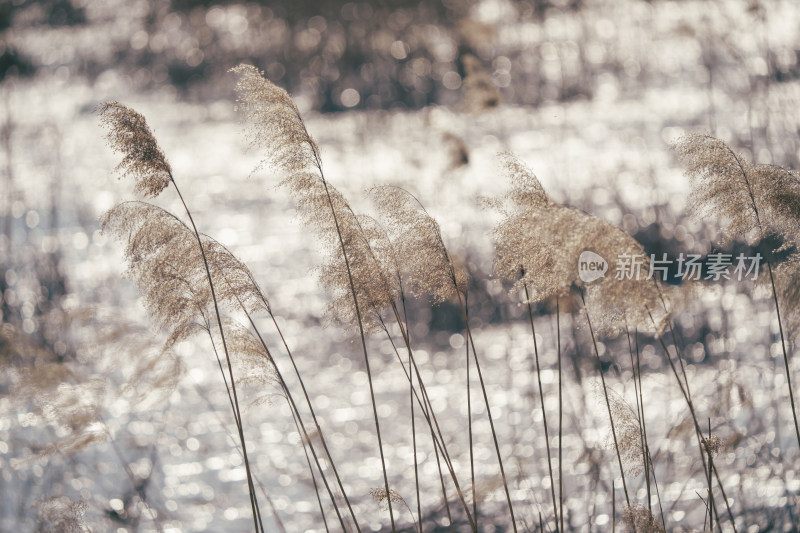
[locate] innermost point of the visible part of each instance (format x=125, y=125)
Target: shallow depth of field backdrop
x=101, y=430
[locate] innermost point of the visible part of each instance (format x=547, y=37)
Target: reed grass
x=376, y=271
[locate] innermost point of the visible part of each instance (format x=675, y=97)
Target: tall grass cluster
x=376, y=270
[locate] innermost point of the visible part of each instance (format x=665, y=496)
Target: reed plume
x=538, y=244
x=760, y=199
x=380, y=495
x=428, y=268
x=256, y=367
x=628, y=429
x=62, y=515
x=274, y=123
x=638, y=519
x=64, y=400
x=748, y=197
x=383, y=498
x=275, y=126
x=392, y=277
x=369, y=255
x=165, y=263
x=72, y=395
x=128, y=132
x=787, y=281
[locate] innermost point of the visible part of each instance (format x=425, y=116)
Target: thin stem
x=314, y=419
x=640, y=417
x=414, y=443
x=430, y=418
x=253, y=498
x=318, y=164
x=652, y=469
x=697, y=430
x=488, y=408
x=544, y=411
x=465, y=313
x=783, y=342
x=320, y=433
x=687, y=395
x=774, y=291
x=132, y=478
x=311, y=469
x=363, y=342
x=430, y=415
x=471, y=445
x=560, y=418
x=296, y=413
x=608, y=402
x=413, y=418
x=212, y=409
x=709, y=477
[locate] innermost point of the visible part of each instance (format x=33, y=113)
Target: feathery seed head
x=235, y=285
x=639, y=519
x=787, y=281
x=373, y=267
x=65, y=402
x=165, y=262
x=628, y=432
x=713, y=445
x=539, y=243
x=257, y=366
x=749, y=197
x=275, y=124
x=417, y=240
x=128, y=133
x=380, y=496
x=61, y=515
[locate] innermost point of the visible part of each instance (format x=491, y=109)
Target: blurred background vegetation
x=404, y=53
